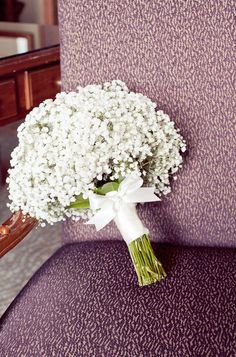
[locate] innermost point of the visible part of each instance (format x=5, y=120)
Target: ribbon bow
x=109, y=206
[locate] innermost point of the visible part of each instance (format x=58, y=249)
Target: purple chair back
x=181, y=54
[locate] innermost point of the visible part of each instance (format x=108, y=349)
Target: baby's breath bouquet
x=93, y=155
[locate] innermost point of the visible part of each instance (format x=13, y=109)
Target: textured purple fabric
x=182, y=55
x=85, y=302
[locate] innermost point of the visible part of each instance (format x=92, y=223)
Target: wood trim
x=28, y=99
x=14, y=230
x=29, y=60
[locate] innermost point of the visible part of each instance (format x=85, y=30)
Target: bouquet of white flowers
x=94, y=154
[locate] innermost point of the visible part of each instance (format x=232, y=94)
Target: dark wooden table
x=26, y=80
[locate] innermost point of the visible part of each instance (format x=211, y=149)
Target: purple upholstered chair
x=85, y=300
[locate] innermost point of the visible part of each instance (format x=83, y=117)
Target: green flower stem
x=148, y=268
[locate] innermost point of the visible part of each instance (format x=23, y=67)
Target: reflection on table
x=27, y=25
x=16, y=38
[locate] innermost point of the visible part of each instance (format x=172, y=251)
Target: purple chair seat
x=84, y=301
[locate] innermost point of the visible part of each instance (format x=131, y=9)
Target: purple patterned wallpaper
x=182, y=55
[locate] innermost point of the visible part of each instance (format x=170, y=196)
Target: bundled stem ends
x=148, y=268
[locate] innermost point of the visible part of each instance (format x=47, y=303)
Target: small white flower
x=68, y=145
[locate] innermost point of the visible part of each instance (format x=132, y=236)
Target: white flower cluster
x=83, y=139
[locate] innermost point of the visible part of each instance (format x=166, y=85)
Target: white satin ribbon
x=121, y=206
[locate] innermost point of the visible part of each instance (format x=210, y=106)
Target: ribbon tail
x=104, y=216
x=143, y=194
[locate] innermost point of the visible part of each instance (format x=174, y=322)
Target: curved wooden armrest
x=14, y=230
